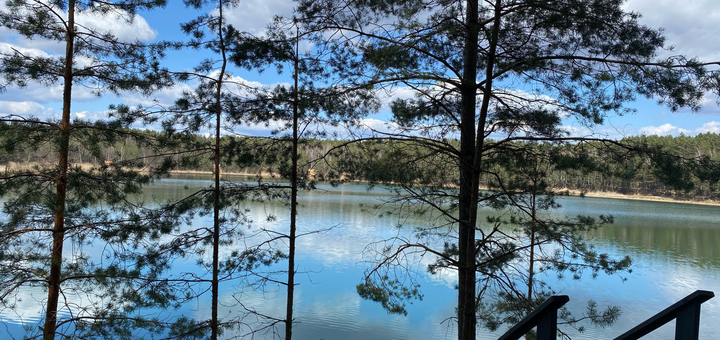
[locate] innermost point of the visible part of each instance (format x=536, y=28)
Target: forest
x=630, y=172
x=468, y=138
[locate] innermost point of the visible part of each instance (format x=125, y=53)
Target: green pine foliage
x=464, y=62
x=316, y=99
x=70, y=228
x=74, y=224
x=217, y=104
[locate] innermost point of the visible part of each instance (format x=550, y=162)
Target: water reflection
x=674, y=247
x=681, y=232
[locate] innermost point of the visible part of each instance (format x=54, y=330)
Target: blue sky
x=691, y=26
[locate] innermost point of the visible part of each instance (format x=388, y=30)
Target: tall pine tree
x=316, y=100
x=70, y=230
x=513, y=68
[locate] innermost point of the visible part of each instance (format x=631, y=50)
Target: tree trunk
x=293, y=204
x=471, y=152
x=61, y=184
x=214, y=323
x=531, y=269
x=467, y=206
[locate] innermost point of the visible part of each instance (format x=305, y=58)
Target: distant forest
x=616, y=171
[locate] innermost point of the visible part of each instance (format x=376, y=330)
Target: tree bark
x=214, y=322
x=467, y=211
x=471, y=152
x=293, y=203
x=61, y=183
x=531, y=269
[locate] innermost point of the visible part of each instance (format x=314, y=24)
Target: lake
x=675, y=250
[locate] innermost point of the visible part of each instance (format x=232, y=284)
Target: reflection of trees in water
x=349, y=208
x=692, y=244
x=691, y=237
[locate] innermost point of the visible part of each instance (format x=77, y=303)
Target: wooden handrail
x=544, y=317
x=687, y=313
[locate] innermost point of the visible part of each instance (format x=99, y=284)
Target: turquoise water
x=674, y=248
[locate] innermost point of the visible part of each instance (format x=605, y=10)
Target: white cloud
x=51, y=47
x=125, y=27
x=34, y=109
x=259, y=129
x=91, y=115
x=119, y=24
x=25, y=108
x=523, y=99
x=28, y=109
x=240, y=86
x=6, y=48
x=691, y=26
x=253, y=16
x=669, y=129
x=116, y=22
x=364, y=127
x=378, y=125
x=613, y=132
x=709, y=105
x=663, y=130
x=709, y=127
x=165, y=97
x=388, y=96
x=44, y=94
x=578, y=131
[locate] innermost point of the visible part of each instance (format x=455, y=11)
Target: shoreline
x=575, y=193
x=613, y=195
x=595, y=194
x=222, y=173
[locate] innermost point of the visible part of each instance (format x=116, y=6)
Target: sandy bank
x=270, y=175
x=643, y=198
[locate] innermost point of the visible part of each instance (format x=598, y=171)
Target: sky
x=691, y=26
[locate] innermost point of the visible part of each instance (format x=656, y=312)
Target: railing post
x=544, y=317
x=687, y=323
x=687, y=315
x=547, y=326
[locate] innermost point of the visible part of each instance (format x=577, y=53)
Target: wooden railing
x=544, y=317
x=686, y=311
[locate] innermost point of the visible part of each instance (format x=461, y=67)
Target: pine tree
x=219, y=104
x=72, y=231
x=464, y=61
x=316, y=99
x=544, y=243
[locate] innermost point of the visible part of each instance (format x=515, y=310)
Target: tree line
x=70, y=188
x=632, y=173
